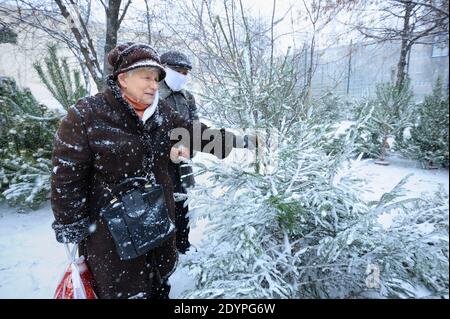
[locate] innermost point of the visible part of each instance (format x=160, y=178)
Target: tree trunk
x=112, y=28
x=309, y=74
x=405, y=46
x=149, y=29
x=88, y=56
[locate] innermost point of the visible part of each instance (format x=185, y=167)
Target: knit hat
x=176, y=59
x=128, y=56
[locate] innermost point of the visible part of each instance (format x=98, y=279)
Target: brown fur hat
x=128, y=56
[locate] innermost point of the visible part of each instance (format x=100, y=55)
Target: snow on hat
x=177, y=59
x=129, y=56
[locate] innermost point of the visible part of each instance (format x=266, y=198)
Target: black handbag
x=137, y=217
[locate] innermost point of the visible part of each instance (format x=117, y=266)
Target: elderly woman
x=104, y=139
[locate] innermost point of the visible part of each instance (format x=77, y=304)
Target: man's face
x=140, y=84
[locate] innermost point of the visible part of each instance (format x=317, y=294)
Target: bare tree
x=149, y=22
x=53, y=20
x=409, y=22
x=39, y=25
x=246, y=81
x=113, y=20
x=85, y=44
x=441, y=7
x=319, y=14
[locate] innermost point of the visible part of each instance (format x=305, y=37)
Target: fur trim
x=71, y=233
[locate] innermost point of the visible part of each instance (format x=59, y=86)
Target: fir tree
x=26, y=137
x=62, y=82
x=305, y=231
x=7, y=35
x=293, y=223
x=429, y=136
x=391, y=112
x=27, y=131
x=330, y=108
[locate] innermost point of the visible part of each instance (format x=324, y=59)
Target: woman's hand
x=177, y=153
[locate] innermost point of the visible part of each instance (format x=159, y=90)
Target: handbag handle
x=123, y=185
x=126, y=183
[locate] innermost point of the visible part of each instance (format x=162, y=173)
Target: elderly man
x=172, y=90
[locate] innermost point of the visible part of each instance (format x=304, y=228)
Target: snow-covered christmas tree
x=391, y=112
x=27, y=131
x=26, y=140
x=293, y=223
x=304, y=231
x=429, y=135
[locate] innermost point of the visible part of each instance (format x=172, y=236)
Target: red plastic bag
x=76, y=282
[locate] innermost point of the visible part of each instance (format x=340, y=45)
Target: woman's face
x=140, y=84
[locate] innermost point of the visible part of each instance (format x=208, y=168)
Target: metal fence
x=354, y=70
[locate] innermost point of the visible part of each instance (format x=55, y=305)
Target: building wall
x=373, y=64
x=16, y=61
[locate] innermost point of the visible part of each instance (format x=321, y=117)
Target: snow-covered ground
x=32, y=262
